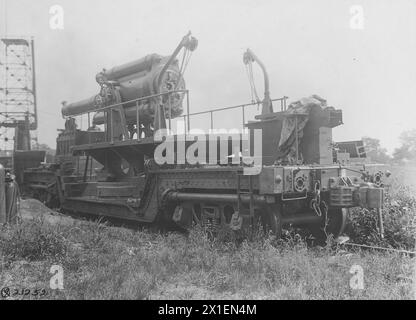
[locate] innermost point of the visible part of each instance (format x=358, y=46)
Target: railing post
x=137, y=121
x=297, y=139
x=187, y=110
x=106, y=125
x=111, y=126
x=170, y=113
x=212, y=120
x=92, y=159
x=89, y=134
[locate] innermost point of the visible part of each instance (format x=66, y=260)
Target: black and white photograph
x=207, y=158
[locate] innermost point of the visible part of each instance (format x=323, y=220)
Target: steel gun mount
x=151, y=76
x=113, y=174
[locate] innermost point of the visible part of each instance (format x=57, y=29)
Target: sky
x=308, y=47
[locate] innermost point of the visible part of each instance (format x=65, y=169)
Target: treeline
x=405, y=154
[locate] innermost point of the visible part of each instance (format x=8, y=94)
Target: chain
x=187, y=54
x=316, y=201
x=253, y=90
x=325, y=210
x=320, y=206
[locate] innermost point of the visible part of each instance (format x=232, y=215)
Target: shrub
x=399, y=215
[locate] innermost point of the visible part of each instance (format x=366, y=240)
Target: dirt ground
x=31, y=209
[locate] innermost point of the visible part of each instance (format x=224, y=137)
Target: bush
x=399, y=215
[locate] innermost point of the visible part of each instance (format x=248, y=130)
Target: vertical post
x=184, y=122
x=111, y=126
x=105, y=113
x=170, y=113
x=250, y=182
x=380, y=221
x=297, y=139
x=244, y=116
x=89, y=125
x=137, y=121
x=2, y=195
x=35, y=104
x=86, y=168
x=187, y=110
x=92, y=159
x=238, y=193
x=13, y=162
x=212, y=120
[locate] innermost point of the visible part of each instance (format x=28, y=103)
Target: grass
x=106, y=262
x=103, y=262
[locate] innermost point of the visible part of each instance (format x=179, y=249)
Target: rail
x=187, y=117
x=283, y=106
x=137, y=104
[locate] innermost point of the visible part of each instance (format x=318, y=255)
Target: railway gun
x=297, y=178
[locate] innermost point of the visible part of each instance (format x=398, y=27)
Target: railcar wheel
x=335, y=224
x=197, y=215
x=271, y=220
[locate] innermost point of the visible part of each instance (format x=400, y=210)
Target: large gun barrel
x=134, y=80
x=127, y=69
x=151, y=75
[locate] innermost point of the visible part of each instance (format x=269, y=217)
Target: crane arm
x=188, y=42
x=250, y=57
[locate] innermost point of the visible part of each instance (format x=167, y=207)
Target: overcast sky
x=308, y=48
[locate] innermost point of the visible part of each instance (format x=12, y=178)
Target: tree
x=374, y=150
x=50, y=153
x=45, y=147
x=407, y=151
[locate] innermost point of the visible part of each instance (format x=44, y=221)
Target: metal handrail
x=137, y=102
x=243, y=106
x=235, y=107
x=186, y=117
